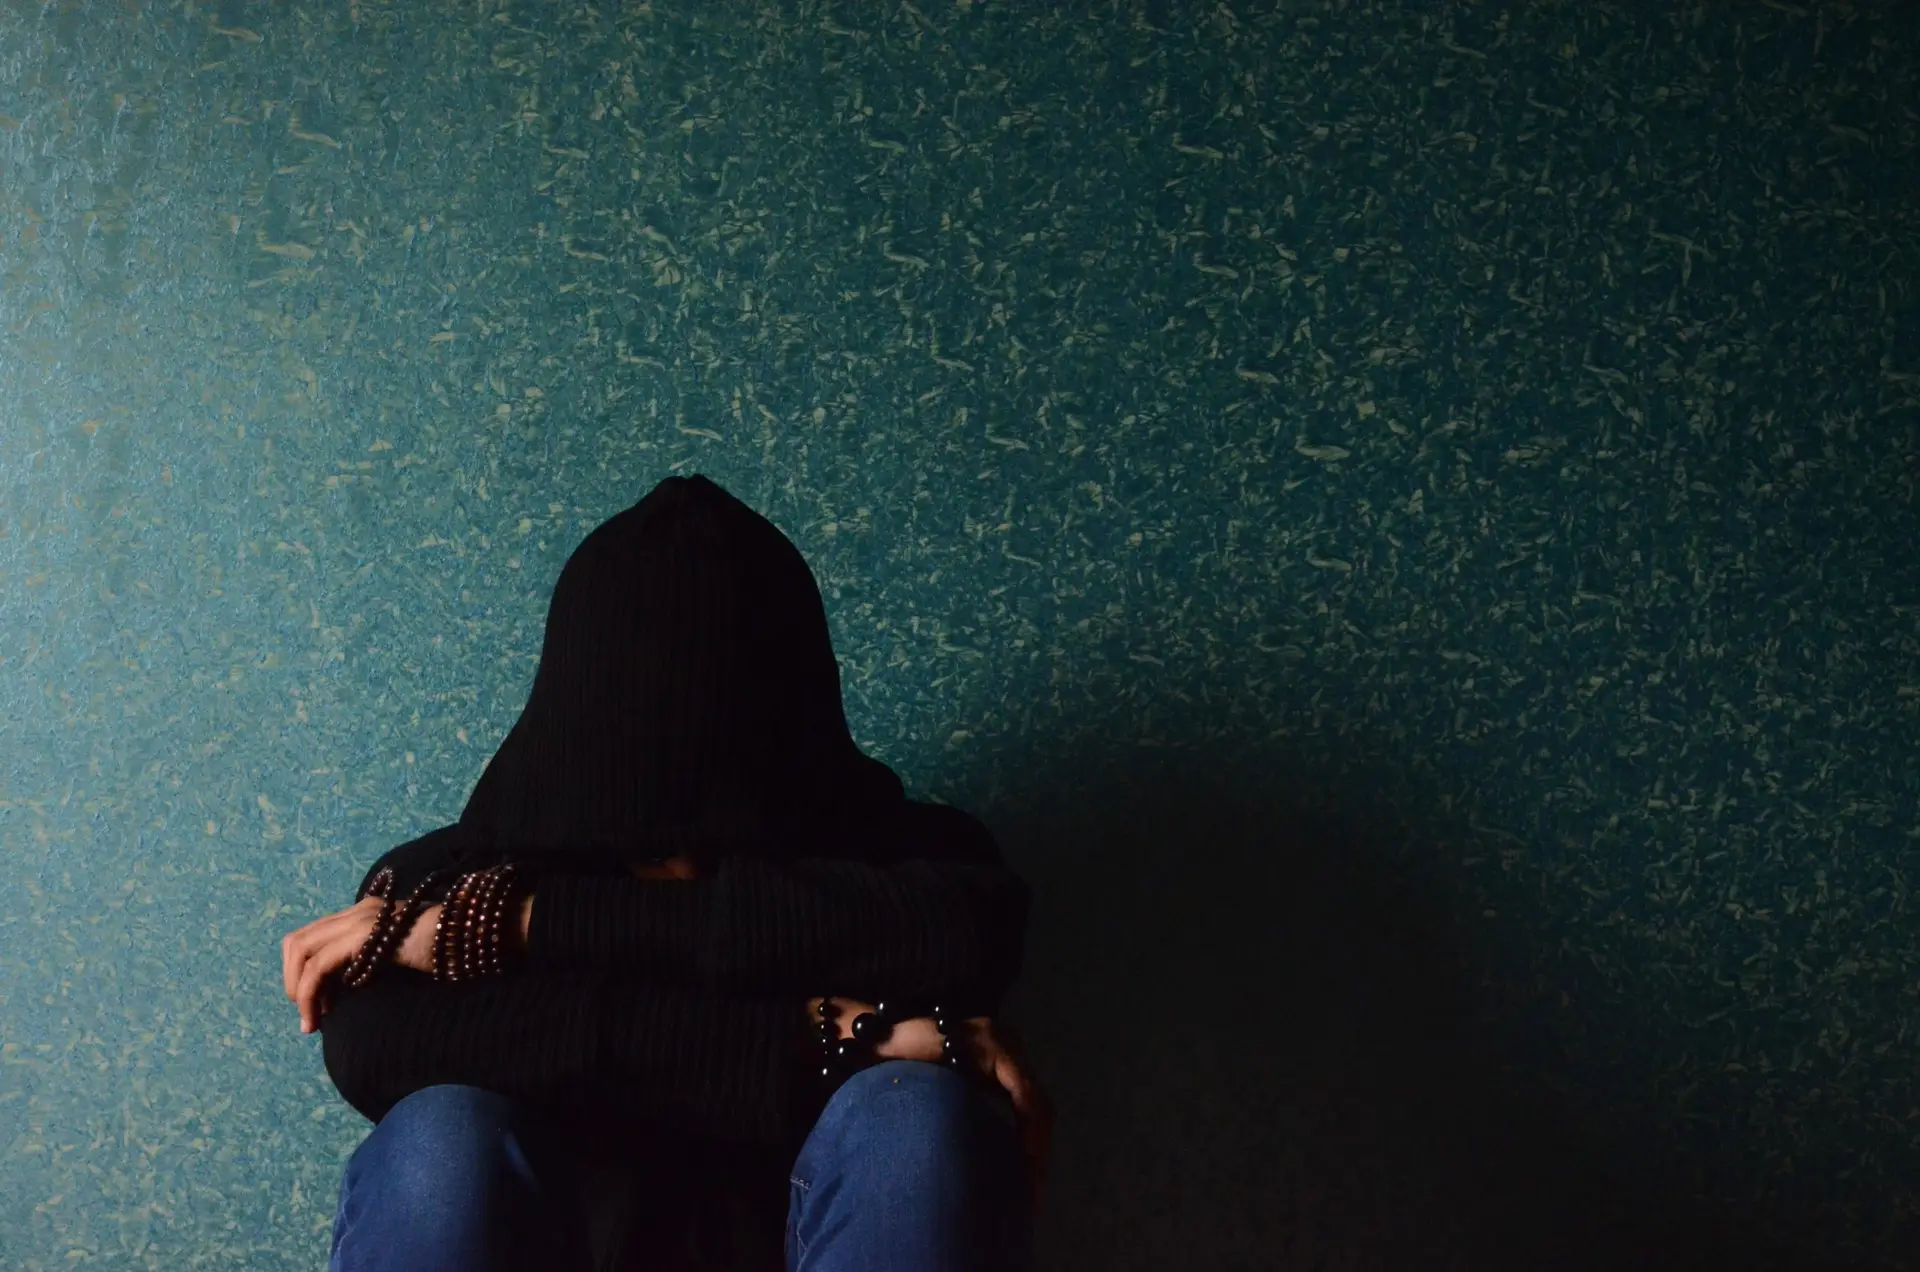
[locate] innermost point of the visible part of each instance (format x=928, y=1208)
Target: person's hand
x=998, y=1055
x=310, y=955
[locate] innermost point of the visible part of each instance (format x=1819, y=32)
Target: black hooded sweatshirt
x=687, y=703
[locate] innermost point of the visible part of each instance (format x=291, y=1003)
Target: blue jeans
x=910, y=1165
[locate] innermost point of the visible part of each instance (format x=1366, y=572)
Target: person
x=588, y=1019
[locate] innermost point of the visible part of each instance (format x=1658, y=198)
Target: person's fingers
x=1011, y=1073
x=1033, y=1114
x=298, y=944
x=306, y=993
x=322, y=961
x=984, y=1048
x=293, y=953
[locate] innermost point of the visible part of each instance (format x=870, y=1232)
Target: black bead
x=870, y=1028
x=826, y=1009
x=846, y=1050
x=952, y=1050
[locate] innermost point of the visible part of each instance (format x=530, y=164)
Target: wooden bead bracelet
x=469, y=939
x=390, y=926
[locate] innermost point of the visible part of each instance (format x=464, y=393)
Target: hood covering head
x=687, y=699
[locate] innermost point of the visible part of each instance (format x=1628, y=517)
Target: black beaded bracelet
x=841, y=1058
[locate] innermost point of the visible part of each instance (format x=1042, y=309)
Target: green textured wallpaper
x=1496, y=421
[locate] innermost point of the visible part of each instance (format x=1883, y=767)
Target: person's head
x=687, y=695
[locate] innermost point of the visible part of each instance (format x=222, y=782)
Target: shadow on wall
x=1261, y=1040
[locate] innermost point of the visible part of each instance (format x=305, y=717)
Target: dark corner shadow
x=1265, y=1039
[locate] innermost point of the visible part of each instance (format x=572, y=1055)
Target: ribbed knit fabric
x=687, y=703
x=584, y=1051
x=682, y=1002
x=919, y=927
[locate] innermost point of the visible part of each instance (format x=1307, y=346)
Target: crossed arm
x=662, y=972
x=922, y=927
x=310, y=955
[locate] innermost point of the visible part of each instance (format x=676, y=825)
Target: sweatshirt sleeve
x=725, y=1067
x=946, y=919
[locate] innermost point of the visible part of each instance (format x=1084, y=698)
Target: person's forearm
x=715, y=1065
x=671, y=868
x=919, y=926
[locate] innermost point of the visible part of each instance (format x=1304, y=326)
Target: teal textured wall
x=1503, y=420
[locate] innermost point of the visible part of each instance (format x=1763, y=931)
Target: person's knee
x=439, y=1151
x=913, y=1155
x=919, y=1113
x=904, y=1086
x=457, y=1176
